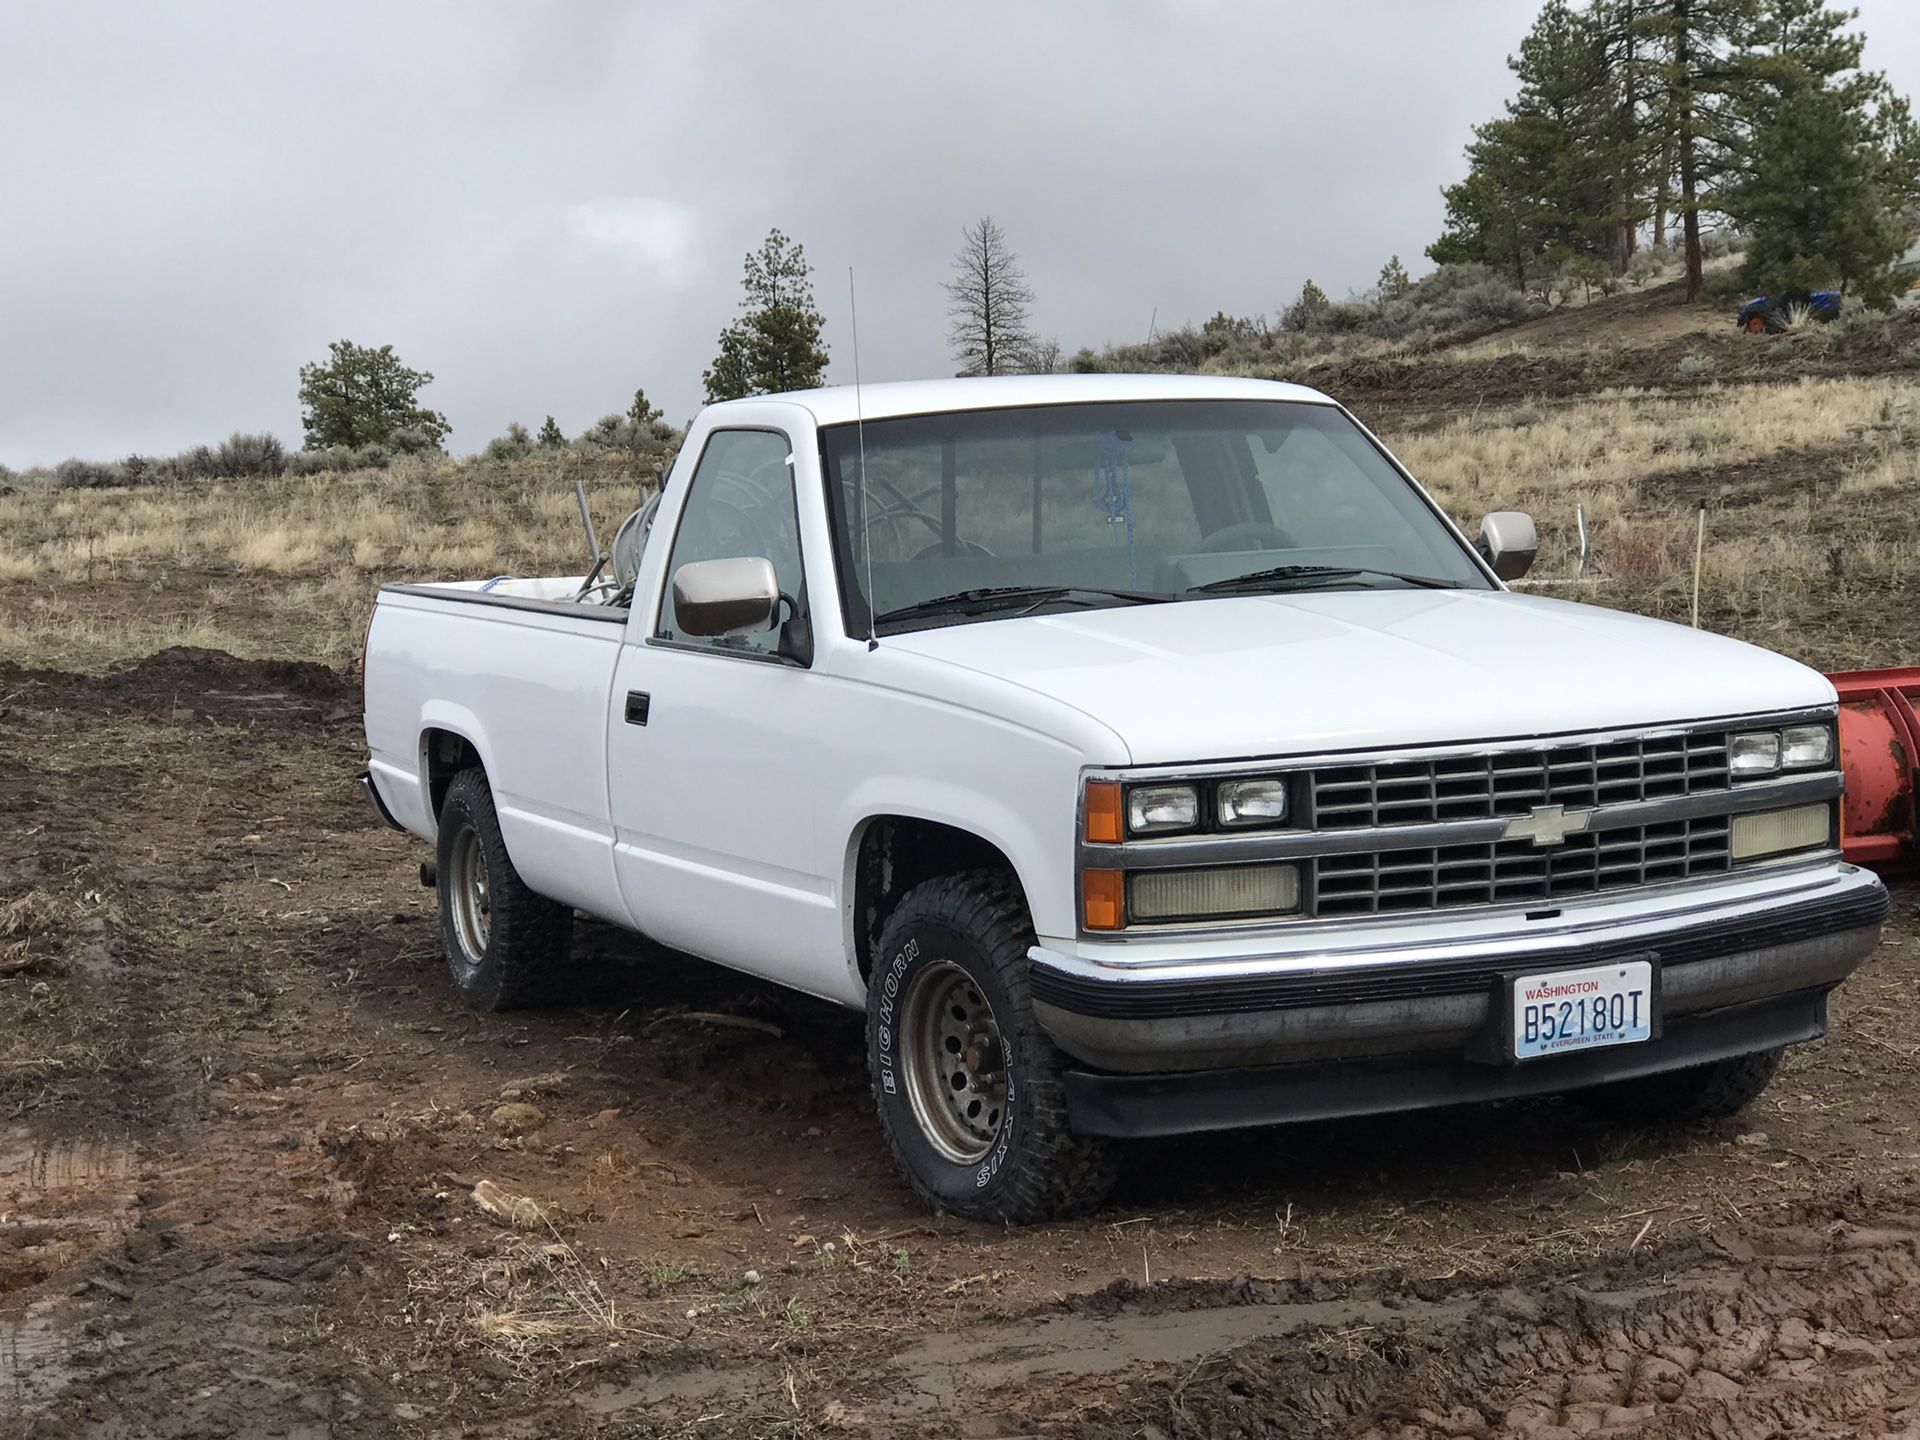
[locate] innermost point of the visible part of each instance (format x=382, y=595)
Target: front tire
x=967, y=1084
x=1704, y=1092
x=506, y=947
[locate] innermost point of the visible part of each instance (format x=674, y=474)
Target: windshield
x=985, y=514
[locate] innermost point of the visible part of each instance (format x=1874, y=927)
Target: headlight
x=1802, y=747
x=1251, y=802
x=1765, y=752
x=1156, y=809
x=1755, y=753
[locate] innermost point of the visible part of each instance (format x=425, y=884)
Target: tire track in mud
x=1809, y=1327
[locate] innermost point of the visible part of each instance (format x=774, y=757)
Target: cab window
x=740, y=503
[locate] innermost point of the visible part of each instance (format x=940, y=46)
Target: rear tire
x=506, y=947
x=967, y=1084
x=1705, y=1092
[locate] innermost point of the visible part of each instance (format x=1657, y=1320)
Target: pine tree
x=775, y=346
x=988, y=298
x=1825, y=202
x=1552, y=179
x=1303, y=312
x=550, y=437
x=641, y=413
x=1497, y=216
x=1394, y=282
x=364, y=396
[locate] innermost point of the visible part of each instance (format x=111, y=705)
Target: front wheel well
x=445, y=754
x=898, y=852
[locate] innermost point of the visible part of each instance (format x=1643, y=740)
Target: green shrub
x=1650, y=263
x=318, y=462
x=409, y=440
x=516, y=444
x=242, y=455
x=87, y=475
x=1716, y=243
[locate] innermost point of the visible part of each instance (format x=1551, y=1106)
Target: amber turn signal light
x=1104, y=811
x=1103, y=899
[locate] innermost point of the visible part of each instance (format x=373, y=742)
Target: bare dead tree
x=987, y=302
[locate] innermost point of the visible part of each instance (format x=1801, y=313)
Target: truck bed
x=522, y=672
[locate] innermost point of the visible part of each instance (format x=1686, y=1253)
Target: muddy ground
x=243, y=1124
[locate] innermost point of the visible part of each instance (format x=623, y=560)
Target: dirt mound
x=183, y=681
x=1632, y=317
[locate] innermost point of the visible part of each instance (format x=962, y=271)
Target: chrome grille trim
x=1510, y=872
x=1471, y=787
x=1261, y=845
x=1395, y=835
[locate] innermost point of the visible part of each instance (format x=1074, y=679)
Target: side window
x=740, y=502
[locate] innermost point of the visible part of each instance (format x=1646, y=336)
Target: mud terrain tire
x=951, y=1029
x=1705, y=1092
x=506, y=947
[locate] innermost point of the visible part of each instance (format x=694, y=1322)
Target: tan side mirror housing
x=1509, y=541
x=713, y=598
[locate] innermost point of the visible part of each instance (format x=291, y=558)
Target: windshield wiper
x=1003, y=597
x=1278, y=574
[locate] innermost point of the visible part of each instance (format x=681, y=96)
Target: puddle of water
x=36, y=1361
x=1020, y=1351
x=686, y=1386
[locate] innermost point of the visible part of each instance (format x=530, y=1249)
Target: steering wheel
x=963, y=547
x=744, y=513
x=1248, y=535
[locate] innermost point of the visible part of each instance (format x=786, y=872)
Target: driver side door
x=713, y=812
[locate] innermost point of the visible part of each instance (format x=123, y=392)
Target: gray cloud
x=547, y=205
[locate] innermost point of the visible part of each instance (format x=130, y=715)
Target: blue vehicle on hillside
x=1768, y=314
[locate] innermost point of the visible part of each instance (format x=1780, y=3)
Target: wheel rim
x=955, y=1063
x=467, y=895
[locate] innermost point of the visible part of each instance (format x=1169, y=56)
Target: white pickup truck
x=1144, y=755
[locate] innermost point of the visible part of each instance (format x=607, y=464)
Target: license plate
x=1582, y=1009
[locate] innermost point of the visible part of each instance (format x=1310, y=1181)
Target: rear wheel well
x=446, y=755
x=898, y=852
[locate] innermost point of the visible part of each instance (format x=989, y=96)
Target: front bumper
x=1135, y=1106
x=1392, y=994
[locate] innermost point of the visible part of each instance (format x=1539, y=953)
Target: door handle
x=637, y=707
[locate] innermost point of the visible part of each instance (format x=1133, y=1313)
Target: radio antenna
x=860, y=429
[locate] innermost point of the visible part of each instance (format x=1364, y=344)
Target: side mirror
x=1509, y=541
x=726, y=597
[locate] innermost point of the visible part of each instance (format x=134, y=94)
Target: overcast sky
x=547, y=204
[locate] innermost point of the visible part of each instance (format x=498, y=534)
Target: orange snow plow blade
x=1879, y=746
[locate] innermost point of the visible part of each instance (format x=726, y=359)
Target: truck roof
x=835, y=404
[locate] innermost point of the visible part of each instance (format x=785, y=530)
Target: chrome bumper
x=1422, y=995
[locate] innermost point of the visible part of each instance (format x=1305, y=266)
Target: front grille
x=1510, y=872
x=1479, y=787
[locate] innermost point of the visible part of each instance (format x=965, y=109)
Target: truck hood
x=1247, y=676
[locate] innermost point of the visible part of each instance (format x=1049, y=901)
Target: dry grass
x=530, y=1302
x=284, y=566
x=1600, y=450
x=1810, y=529
x=1808, y=488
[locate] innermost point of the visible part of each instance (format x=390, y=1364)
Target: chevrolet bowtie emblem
x=1548, y=825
